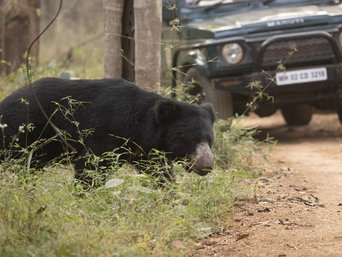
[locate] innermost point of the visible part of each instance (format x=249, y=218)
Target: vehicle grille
x=298, y=51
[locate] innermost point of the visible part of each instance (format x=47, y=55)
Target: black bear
x=97, y=116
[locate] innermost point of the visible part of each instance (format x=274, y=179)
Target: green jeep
x=284, y=54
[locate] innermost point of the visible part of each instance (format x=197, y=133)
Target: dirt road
x=297, y=208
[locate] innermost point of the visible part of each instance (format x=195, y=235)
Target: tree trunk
x=142, y=53
x=19, y=27
x=127, y=41
x=147, y=16
x=2, y=37
x=113, y=10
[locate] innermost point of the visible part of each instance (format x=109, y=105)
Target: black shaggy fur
x=114, y=109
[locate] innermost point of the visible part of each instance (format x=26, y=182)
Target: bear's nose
x=202, y=160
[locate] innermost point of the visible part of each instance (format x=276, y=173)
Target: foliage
x=46, y=213
x=85, y=63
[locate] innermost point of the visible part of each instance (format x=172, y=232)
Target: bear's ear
x=165, y=110
x=208, y=107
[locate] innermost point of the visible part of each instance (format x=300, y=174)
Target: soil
x=296, y=209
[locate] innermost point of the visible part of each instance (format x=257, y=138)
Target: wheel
x=202, y=87
x=339, y=113
x=297, y=115
x=266, y=110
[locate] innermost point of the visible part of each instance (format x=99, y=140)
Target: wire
x=29, y=79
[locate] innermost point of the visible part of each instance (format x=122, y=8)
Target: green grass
x=86, y=63
x=43, y=213
x=45, y=216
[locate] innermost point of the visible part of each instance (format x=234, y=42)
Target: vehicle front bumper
x=265, y=82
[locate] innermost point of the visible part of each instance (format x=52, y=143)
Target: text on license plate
x=301, y=76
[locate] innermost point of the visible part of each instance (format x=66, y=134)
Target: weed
x=42, y=213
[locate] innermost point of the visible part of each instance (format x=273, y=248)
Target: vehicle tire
x=220, y=99
x=266, y=110
x=339, y=113
x=297, y=115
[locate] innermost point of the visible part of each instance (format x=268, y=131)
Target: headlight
x=232, y=53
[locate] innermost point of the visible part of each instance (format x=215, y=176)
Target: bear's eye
x=208, y=139
x=210, y=142
x=177, y=136
x=196, y=140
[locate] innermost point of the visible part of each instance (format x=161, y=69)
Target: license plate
x=301, y=76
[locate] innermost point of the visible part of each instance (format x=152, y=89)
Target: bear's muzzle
x=202, y=160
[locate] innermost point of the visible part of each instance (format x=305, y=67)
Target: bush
x=44, y=213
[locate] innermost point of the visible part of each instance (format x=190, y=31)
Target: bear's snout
x=202, y=160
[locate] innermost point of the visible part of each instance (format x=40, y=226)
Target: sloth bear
x=98, y=116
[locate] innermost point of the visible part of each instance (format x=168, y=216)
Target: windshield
x=191, y=10
x=205, y=3
x=209, y=3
